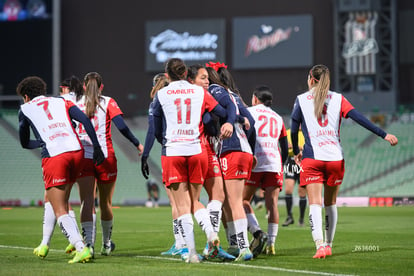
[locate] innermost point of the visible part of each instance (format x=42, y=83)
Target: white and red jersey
x=71, y=96
x=107, y=109
x=50, y=118
x=182, y=106
x=269, y=129
x=322, y=140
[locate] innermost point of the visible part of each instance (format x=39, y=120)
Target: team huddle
x=210, y=138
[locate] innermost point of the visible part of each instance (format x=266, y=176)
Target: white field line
x=268, y=268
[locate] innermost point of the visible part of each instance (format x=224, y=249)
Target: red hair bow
x=216, y=65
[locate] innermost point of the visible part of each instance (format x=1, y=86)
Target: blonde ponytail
x=93, y=82
x=320, y=75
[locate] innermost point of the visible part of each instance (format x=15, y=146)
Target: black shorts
x=291, y=169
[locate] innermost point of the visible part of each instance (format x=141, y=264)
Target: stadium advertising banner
x=272, y=42
x=194, y=41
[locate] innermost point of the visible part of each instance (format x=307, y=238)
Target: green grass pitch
x=368, y=241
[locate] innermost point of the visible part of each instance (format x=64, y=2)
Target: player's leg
x=234, y=195
x=337, y=170
x=58, y=197
x=331, y=216
x=289, y=186
x=272, y=190
x=215, y=189
x=106, y=191
x=179, y=243
x=180, y=193
x=302, y=204
x=198, y=169
x=49, y=222
x=259, y=237
x=86, y=194
x=315, y=216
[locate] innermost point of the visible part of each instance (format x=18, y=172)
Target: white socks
x=203, y=219
x=315, y=220
x=179, y=240
x=49, y=222
x=186, y=226
x=240, y=226
x=231, y=234
x=331, y=219
x=272, y=230
x=73, y=216
x=106, y=231
x=253, y=224
x=71, y=231
x=214, y=210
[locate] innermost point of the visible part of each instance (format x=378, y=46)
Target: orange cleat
x=328, y=250
x=320, y=253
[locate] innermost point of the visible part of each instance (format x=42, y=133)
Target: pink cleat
x=328, y=250
x=320, y=253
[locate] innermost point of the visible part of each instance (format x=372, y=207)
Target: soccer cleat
x=245, y=255
x=92, y=250
x=288, y=221
x=41, y=251
x=258, y=243
x=171, y=252
x=328, y=250
x=185, y=254
x=234, y=251
x=213, y=248
x=69, y=249
x=320, y=253
x=223, y=255
x=83, y=256
x=301, y=223
x=107, y=250
x=194, y=259
x=270, y=249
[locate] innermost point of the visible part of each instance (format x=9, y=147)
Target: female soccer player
x=159, y=81
x=62, y=154
x=70, y=90
x=198, y=75
x=319, y=112
x=177, y=123
x=102, y=110
x=268, y=173
x=236, y=160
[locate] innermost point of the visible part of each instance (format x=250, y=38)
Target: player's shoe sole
x=258, y=243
